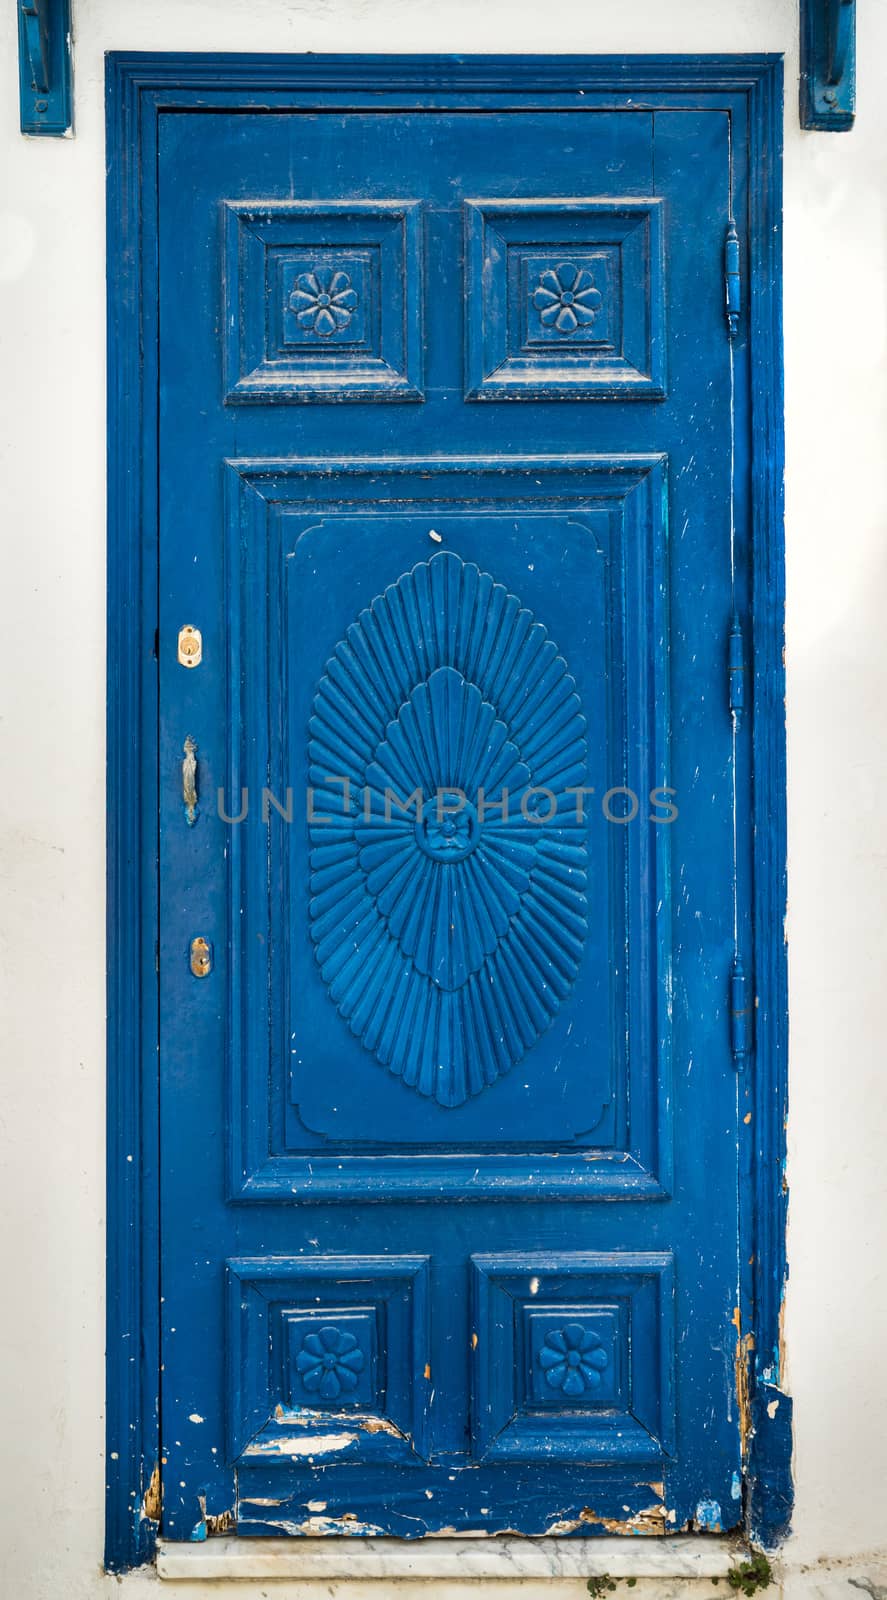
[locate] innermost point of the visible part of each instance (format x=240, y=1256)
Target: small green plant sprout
x=751, y=1576
x=597, y=1587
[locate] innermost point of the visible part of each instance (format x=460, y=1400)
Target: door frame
x=139, y=87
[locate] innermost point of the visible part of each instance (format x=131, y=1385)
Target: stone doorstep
x=464, y=1560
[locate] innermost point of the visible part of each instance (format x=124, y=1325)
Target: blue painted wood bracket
x=45, y=69
x=828, y=65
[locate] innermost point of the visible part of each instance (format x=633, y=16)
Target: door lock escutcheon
x=190, y=646
x=201, y=957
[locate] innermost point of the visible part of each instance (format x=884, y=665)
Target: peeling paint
x=379, y=1425
x=324, y=1527
x=213, y=1525
x=225, y=1522
x=303, y=1418
x=314, y=1444
x=297, y=1417
x=452, y=1532
x=770, y=1472
x=745, y=1344
x=152, y=1501
x=653, y=1521
x=708, y=1516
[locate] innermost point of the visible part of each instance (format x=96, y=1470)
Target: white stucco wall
x=52, y=636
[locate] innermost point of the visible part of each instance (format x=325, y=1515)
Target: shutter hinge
x=740, y=1014
x=736, y=670
x=733, y=279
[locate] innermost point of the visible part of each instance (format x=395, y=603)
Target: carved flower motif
x=323, y=301
x=449, y=836
x=566, y=298
x=573, y=1359
x=329, y=1362
x=446, y=932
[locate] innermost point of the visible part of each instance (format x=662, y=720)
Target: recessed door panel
x=405, y=979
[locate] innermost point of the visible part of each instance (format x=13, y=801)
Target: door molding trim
x=139, y=88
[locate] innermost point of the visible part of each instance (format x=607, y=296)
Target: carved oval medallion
x=448, y=908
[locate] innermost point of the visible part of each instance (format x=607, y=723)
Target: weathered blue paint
x=764, y=1092
x=708, y=1516
x=828, y=65
x=45, y=66
x=770, y=1488
x=132, y=1442
x=370, y=1350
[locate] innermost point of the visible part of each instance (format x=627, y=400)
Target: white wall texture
x=52, y=638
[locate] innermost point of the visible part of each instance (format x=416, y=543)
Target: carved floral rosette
x=447, y=939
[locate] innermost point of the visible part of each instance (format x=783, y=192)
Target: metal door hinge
x=736, y=670
x=733, y=279
x=741, y=1014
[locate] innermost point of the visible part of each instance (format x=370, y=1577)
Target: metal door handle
x=189, y=781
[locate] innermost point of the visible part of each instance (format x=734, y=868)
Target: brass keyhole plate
x=190, y=646
x=201, y=956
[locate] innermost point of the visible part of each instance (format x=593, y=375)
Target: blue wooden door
x=451, y=549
